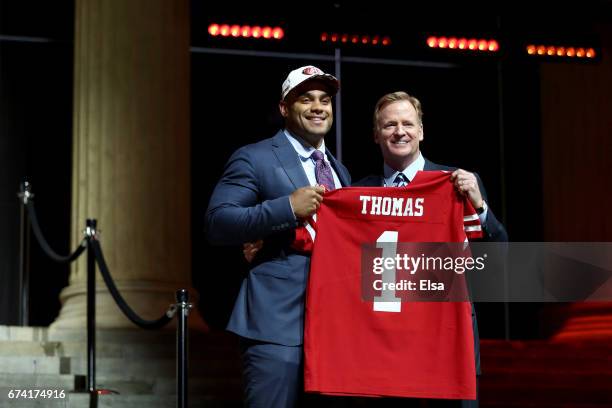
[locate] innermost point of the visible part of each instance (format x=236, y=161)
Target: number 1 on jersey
x=387, y=301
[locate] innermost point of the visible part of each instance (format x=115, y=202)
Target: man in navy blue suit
x=267, y=188
x=398, y=130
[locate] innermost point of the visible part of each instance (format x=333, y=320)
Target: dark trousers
x=273, y=374
x=274, y=378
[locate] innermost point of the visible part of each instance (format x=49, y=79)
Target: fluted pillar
x=131, y=155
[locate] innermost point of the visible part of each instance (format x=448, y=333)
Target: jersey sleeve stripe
x=310, y=230
x=472, y=217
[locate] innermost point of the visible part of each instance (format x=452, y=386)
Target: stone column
x=131, y=155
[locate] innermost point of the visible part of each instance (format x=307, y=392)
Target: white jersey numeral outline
x=387, y=301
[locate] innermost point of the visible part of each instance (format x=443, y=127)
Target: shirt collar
x=303, y=149
x=410, y=171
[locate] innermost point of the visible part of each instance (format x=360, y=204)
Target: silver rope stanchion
x=95, y=256
x=90, y=233
x=182, y=306
x=24, y=254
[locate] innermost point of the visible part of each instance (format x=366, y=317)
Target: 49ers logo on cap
x=306, y=73
x=312, y=71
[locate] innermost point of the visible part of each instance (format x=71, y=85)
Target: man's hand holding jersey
x=304, y=201
x=467, y=185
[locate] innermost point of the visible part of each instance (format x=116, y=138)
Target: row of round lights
x=246, y=31
x=560, y=51
x=355, y=39
x=471, y=44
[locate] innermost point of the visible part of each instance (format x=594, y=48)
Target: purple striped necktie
x=323, y=171
x=401, y=180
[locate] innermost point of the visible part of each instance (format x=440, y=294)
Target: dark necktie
x=323, y=172
x=401, y=180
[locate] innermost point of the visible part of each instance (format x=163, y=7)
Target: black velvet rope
x=43, y=242
x=125, y=308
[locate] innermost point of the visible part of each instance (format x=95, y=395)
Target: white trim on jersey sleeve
x=310, y=227
x=311, y=231
x=472, y=217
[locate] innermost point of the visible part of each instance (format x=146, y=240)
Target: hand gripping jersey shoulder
x=404, y=204
x=421, y=349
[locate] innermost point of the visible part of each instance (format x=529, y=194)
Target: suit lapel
x=337, y=167
x=289, y=160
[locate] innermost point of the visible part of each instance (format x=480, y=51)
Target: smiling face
x=308, y=112
x=398, y=131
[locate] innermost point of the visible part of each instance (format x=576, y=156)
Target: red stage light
x=357, y=39
x=462, y=43
x=278, y=33
x=213, y=29
x=560, y=51
x=245, y=31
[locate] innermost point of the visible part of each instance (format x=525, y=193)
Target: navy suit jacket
x=250, y=202
x=493, y=229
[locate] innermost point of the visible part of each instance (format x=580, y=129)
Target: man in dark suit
x=398, y=130
x=267, y=188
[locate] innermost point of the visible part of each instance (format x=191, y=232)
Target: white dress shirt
x=305, y=151
x=389, y=176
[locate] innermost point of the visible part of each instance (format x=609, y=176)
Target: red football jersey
x=367, y=347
